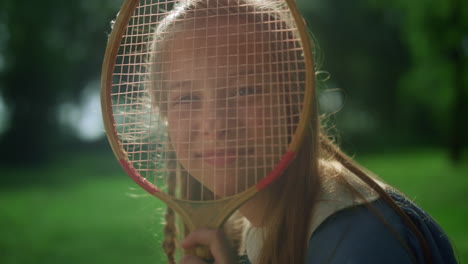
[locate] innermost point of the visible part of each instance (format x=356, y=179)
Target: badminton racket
x=211, y=96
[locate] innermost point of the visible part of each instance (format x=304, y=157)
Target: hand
x=213, y=239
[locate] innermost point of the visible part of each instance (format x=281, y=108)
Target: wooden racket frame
x=198, y=214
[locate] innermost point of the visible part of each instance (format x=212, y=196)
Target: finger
x=189, y=259
x=215, y=240
x=203, y=236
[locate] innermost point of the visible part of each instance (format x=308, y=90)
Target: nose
x=214, y=120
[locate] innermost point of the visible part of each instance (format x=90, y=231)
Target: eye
x=247, y=90
x=184, y=99
x=243, y=91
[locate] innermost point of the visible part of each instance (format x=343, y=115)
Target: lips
x=223, y=157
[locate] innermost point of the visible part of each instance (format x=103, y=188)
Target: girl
x=230, y=89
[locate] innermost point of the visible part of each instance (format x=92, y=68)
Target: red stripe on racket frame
x=287, y=158
x=135, y=175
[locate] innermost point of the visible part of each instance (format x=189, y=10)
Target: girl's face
x=225, y=112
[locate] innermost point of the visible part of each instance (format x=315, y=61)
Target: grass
x=87, y=211
x=94, y=216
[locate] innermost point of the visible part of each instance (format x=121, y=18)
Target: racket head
x=217, y=97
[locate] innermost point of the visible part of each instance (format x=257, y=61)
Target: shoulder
x=358, y=235
x=374, y=233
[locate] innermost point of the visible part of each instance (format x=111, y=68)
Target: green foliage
x=50, y=51
x=433, y=32
x=363, y=52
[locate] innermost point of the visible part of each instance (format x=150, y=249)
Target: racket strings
x=211, y=94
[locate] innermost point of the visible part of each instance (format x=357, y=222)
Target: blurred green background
x=397, y=74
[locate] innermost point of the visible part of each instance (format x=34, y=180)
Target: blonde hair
x=288, y=219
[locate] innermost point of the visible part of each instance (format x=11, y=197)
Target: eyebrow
x=187, y=84
x=177, y=85
x=244, y=72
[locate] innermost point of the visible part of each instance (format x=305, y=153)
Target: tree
x=365, y=56
x=435, y=87
x=52, y=49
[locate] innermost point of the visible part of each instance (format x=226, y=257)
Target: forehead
x=217, y=42
x=219, y=30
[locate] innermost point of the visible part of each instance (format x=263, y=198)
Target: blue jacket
x=357, y=235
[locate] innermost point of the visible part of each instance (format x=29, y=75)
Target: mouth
x=222, y=157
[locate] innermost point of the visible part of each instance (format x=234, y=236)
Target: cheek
x=172, y=127
x=178, y=131
x=268, y=119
